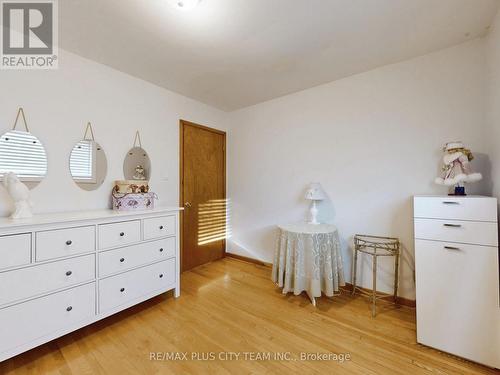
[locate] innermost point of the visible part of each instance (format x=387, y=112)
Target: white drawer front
x=119, y=234
x=64, y=242
x=23, y=323
x=456, y=208
x=125, y=258
x=28, y=282
x=118, y=290
x=159, y=227
x=471, y=232
x=15, y=250
x=458, y=299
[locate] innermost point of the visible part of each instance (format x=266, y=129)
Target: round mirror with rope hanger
x=137, y=165
x=87, y=162
x=23, y=153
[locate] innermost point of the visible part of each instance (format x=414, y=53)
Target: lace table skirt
x=308, y=258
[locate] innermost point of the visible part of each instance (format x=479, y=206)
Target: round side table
x=308, y=258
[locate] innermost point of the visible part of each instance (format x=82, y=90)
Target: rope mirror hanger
x=137, y=143
x=20, y=112
x=87, y=130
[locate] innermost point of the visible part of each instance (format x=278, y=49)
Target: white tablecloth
x=308, y=258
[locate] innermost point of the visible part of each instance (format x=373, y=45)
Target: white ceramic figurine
x=20, y=194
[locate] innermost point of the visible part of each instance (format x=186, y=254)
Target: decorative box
x=133, y=202
x=131, y=186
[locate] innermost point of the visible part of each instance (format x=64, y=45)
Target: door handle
x=187, y=205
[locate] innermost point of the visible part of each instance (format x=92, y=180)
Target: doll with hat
x=457, y=169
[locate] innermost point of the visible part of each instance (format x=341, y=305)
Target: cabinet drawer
x=472, y=232
x=159, y=227
x=63, y=242
x=125, y=258
x=456, y=208
x=458, y=299
x=25, y=322
x=119, y=234
x=15, y=250
x=118, y=290
x=28, y=282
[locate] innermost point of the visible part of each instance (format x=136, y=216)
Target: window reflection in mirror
x=23, y=154
x=88, y=165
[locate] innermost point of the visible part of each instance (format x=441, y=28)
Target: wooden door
x=203, y=194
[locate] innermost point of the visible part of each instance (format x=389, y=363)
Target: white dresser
x=457, y=276
x=60, y=272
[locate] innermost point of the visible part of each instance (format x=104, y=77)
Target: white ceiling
x=235, y=53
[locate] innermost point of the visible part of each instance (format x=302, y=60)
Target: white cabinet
x=60, y=272
x=457, y=276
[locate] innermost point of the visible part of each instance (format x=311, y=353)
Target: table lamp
x=315, y=193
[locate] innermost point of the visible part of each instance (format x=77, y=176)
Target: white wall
x=373, y=140
x=58, y=105
x=493, y=57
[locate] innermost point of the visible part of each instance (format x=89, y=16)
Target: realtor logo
x=29, y=34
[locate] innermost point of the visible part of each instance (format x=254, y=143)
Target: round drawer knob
x=69, y=308
x=69, y=242
x=161, y=275
x=122, y=290
x=122, y=260
x=161, y=227
x=122, y=234
x=161, y=250
x=69, y=273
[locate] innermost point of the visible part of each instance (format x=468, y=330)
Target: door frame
x=182, y=125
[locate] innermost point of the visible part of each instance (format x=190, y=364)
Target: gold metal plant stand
x=376, y=247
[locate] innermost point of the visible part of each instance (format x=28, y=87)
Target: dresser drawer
x=25, y=322
x=28, y=282
x=121, y=289
x=457, y=299
x=119, y=234
x=64, y=242
x=471, y=232
x=15, y=250
x=456, y=208
x=158, y=227
x=125, y=258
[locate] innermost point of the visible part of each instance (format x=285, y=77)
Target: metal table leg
x=354, y=271
x=374, y=292
x=313, y=300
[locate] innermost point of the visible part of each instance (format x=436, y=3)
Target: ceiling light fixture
x=185, y=4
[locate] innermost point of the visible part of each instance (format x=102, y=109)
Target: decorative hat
x=454, y=145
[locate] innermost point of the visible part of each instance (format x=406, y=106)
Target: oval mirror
x=23, y=154
x=88, y=165
x=137, y=165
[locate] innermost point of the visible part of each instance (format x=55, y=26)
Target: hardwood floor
x=232, y=306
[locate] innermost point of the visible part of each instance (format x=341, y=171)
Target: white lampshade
x=315, y=192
